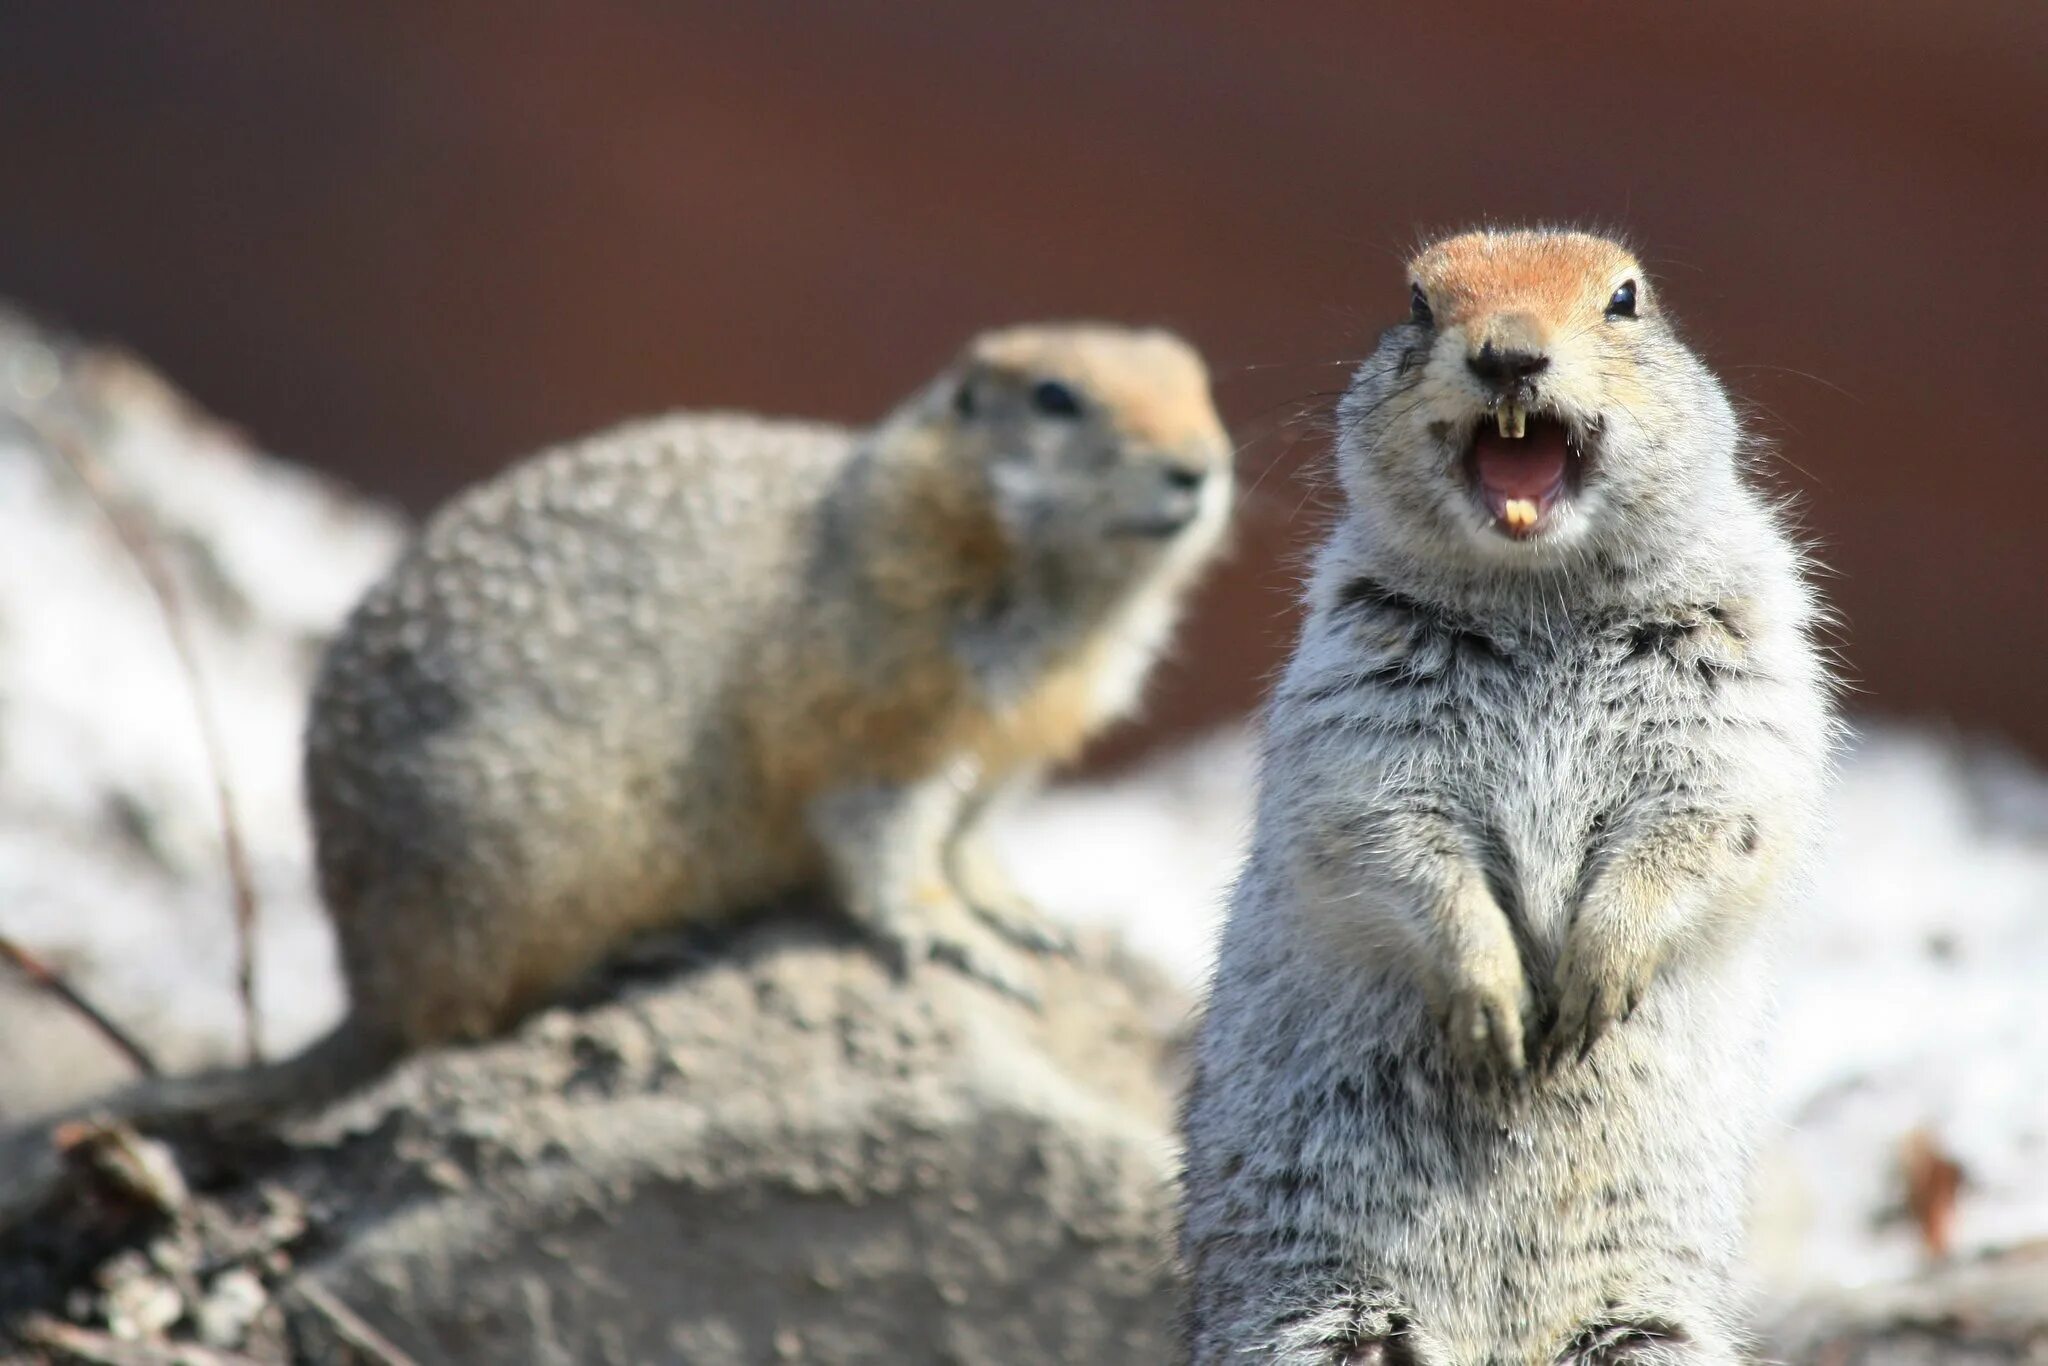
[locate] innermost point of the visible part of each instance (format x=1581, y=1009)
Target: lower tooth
x=1519, y=513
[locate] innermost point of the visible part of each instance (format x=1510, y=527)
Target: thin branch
x=104, y=1349
x=50, y=980
x=142, y=549
x=351, y=1326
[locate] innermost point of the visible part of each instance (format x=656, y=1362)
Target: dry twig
x=163, y=584
x=104, y=1349
x=48, y=979
x=1933, y=1181
x=351, y=1326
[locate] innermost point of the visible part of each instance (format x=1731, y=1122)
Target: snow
x=1912, y=998
x=97, y=725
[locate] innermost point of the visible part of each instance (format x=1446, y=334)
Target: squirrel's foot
x=1599, y=984
x=1647, y=1343
x=939, y=927
x=1370, y=1327
x=991, y=895
x=1371, y=1352
x=1019, y=920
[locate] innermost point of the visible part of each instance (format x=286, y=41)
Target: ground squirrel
x=1477, y=1080
x=690, y=664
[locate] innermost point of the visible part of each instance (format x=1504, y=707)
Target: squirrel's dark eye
x=1623, y=302
x=1418, y=307
x=963, y=400
x=1055, y=399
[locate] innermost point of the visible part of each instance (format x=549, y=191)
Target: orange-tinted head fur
x=1523, y=290
x=1049, y=498
x=1151, y=385
x=1087, y=446
x=1534, y=406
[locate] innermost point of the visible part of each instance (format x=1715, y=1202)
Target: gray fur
x=1477, y=1081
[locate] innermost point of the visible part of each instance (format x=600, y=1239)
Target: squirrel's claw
x=1594, y=994
x=991, y=963
x=1024, y=924
x=1484, y=1031
x=951, y=934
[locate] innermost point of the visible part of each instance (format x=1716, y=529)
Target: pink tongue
x=1532, y=467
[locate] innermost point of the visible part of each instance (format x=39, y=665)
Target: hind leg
x=1368, y=1325
x=1320, y=1322
x=1644, y=1342
x=1685, y=1314
x=430, y=957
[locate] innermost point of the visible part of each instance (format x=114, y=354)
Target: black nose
x=1503, y=370
x=1185, y=477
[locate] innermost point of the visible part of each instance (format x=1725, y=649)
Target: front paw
x=1022, y=923
x=990, y=894
x=1600, y=982
x=1483, y=1026
x=1482, y=1008
x=936, y=926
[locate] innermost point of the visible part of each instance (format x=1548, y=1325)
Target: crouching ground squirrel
x=1477, y=1082
x=670, y=672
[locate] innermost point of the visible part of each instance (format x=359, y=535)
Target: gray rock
x=1986, y=1311
x=781, y=1154
x=770, y=1149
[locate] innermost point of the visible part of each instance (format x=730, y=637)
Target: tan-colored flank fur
x=674, y=671
x=1477, y=1081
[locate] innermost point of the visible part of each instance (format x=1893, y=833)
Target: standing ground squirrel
x=1478, y=1080
x=675, y=670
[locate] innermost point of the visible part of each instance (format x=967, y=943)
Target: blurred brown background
x=407, y=242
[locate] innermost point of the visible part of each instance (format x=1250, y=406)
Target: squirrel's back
x=585, y=577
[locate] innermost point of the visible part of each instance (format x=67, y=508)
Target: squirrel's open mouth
x=1522, y=465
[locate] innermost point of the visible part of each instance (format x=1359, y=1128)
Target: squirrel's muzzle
x=1173, y=503
x=1507, y=373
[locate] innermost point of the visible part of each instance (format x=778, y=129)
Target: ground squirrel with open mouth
x=674, y=671
x=1478, y=1080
